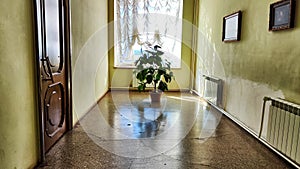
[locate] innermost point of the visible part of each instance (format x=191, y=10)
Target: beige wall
x=262, y=64
x=122, y=78
x=18, y=127
x=89, y=53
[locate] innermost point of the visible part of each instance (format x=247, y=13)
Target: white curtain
x=144, y=23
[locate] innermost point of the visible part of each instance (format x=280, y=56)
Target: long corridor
x=125, y=130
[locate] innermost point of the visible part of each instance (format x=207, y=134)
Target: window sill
x=124, y=67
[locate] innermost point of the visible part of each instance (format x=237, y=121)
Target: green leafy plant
x=151, y=69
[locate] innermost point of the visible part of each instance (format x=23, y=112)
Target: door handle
x=49, y=65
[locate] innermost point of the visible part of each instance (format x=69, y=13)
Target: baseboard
x=147, y=89
x=196, y=93
x=121, y=89
x=249, y=130
x=91, y=107
x=235, y=120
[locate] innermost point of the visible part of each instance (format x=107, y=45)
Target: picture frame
x=232, y=26
x=282, y=15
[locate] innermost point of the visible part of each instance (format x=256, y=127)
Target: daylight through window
x=140, y=24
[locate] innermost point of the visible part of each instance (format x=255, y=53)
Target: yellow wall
x=121, y=78
x=18, y=120
x=262, y=64
x=89, y=53
x=18, y=127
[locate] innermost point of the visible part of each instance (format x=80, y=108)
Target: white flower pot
x=155, y=96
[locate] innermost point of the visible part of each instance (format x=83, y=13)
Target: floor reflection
x=137, y=117
x=126, y=131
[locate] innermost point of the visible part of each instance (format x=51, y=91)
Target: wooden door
x=54, y=70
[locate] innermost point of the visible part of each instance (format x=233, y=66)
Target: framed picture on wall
x=232, y=27
x=282, y=15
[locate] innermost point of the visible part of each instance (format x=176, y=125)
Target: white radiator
x=213, y=90
x=283, y=128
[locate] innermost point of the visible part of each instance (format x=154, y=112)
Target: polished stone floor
x=126, y=131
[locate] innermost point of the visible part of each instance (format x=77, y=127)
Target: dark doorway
x=52, y=24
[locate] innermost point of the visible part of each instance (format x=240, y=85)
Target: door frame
x=39, y=49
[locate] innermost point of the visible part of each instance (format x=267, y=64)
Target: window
x=140, y=24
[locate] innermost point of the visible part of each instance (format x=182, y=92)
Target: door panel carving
x=54, y=111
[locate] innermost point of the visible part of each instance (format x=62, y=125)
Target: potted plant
x=152, y=69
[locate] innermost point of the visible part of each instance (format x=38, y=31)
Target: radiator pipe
x=263, y=115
